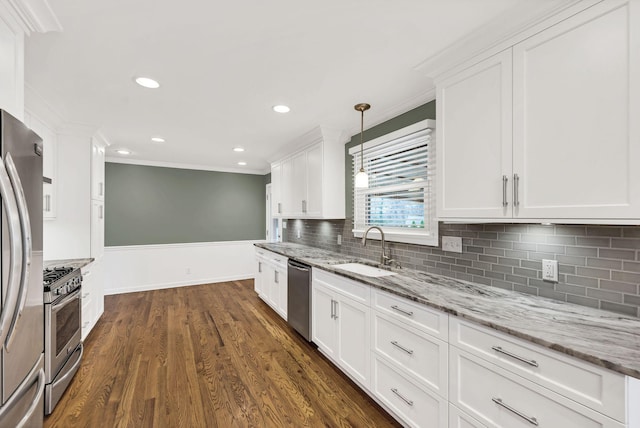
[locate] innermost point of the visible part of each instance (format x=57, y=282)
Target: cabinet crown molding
x=33, y=16
x=500, y=33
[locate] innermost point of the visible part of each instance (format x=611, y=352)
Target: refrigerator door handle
x=25, y=224
x=15, y=244
x=24, y=387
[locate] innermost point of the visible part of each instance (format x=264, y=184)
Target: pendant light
x=362, y=179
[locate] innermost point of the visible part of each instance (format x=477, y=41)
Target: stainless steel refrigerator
x=22, y=313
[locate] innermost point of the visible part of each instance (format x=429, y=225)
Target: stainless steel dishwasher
x=299, y=297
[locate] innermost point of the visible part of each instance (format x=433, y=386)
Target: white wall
x=149, y=267
x=68, y=235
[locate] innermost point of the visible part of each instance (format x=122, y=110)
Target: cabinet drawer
x=416, y=315
x=355, y=290
x=499, y=398
x=423, y=357
x=416, y=406
x=588, y=384
x=459, y=419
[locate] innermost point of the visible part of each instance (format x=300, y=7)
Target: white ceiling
x=223, y=65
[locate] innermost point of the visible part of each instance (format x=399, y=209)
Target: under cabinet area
x=271, y=280
x=517, y=141
x=305, y=184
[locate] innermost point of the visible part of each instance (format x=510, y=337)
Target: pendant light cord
x=361, y=140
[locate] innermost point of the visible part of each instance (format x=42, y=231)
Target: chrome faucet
x=384, y=259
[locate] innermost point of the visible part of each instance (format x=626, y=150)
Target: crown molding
x=37, y=106
x=501, y=33
x=33, y=16
x=177, y=165
x=102, y=138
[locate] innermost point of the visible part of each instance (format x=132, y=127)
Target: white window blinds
x=400, y=194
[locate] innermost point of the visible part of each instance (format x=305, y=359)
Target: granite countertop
x=600, y=337
x=74, y=263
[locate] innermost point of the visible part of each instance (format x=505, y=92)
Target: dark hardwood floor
x=211, y=355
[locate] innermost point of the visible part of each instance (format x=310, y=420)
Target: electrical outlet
x=298, y=233
x=550, y=270
x=339, y=239
x=452, y=244
x=284, y=224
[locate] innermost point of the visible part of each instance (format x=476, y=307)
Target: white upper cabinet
x=474, y=140
x=49, y=163
x=309, y=183
x=545, y=130
x=11, y=68
x=98, y=150
x=576, y=95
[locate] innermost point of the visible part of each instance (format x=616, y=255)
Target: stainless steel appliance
x=21, y=315
x=299, y=297
x=62, y=318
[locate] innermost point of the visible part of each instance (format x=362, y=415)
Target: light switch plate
x=452, y=244
x=550, y=270
x=339, y=239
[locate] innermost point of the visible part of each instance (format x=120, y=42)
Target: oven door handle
x=25, y=224
x=55, y=307
x=15, y=250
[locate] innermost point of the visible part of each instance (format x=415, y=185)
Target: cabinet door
x=276, y=190
x=323, y=323
x=474, y=141
x=576, y=110
x=257, y=282
x=281, y=291
x=314, y=182
x=97, y=170
x=49, y=164
x=299, y=185
x=287, y=188
x=354, y=338
x=97, y=229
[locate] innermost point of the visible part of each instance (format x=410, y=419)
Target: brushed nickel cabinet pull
x=516, y=197
x=531, y=420
x=402, y=311
x=279, y=207
x=397, y=345
x=406, y=400
x=505, y=179
x=514, y=356
x=275, y=276
x=259, y=267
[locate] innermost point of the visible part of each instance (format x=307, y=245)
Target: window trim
x=429, y=236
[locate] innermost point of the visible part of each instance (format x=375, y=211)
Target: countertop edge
x=75, y=263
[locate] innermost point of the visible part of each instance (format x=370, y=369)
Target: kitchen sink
x=363, y=269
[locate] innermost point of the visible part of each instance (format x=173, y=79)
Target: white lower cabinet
x=341, y=323
x=416, y=405
x=91, y=296
x=499, y=398
x=429, y=369
x=270, y=281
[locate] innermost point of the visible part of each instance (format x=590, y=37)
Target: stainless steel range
x=62, y=330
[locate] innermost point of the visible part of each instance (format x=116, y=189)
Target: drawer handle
x=397, y=345
x=517, y=357
x=409, y=402
x=395, y=307
x=499, y=402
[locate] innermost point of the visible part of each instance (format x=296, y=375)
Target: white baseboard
x=152, y=267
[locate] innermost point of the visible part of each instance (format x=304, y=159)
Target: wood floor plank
x=211, y=355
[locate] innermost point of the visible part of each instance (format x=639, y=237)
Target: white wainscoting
x=152, y=267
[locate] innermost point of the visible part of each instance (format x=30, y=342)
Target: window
x=400, y=197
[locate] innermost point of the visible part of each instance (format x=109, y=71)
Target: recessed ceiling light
x=238, y=149
x=147, y=82
x=123, y=152
x=281, y=109
x=157, y=139
x=242, y=163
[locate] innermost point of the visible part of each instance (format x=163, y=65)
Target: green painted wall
x=155, y=205
x=425, y=111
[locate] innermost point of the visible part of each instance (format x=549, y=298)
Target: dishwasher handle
x=299, y=266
